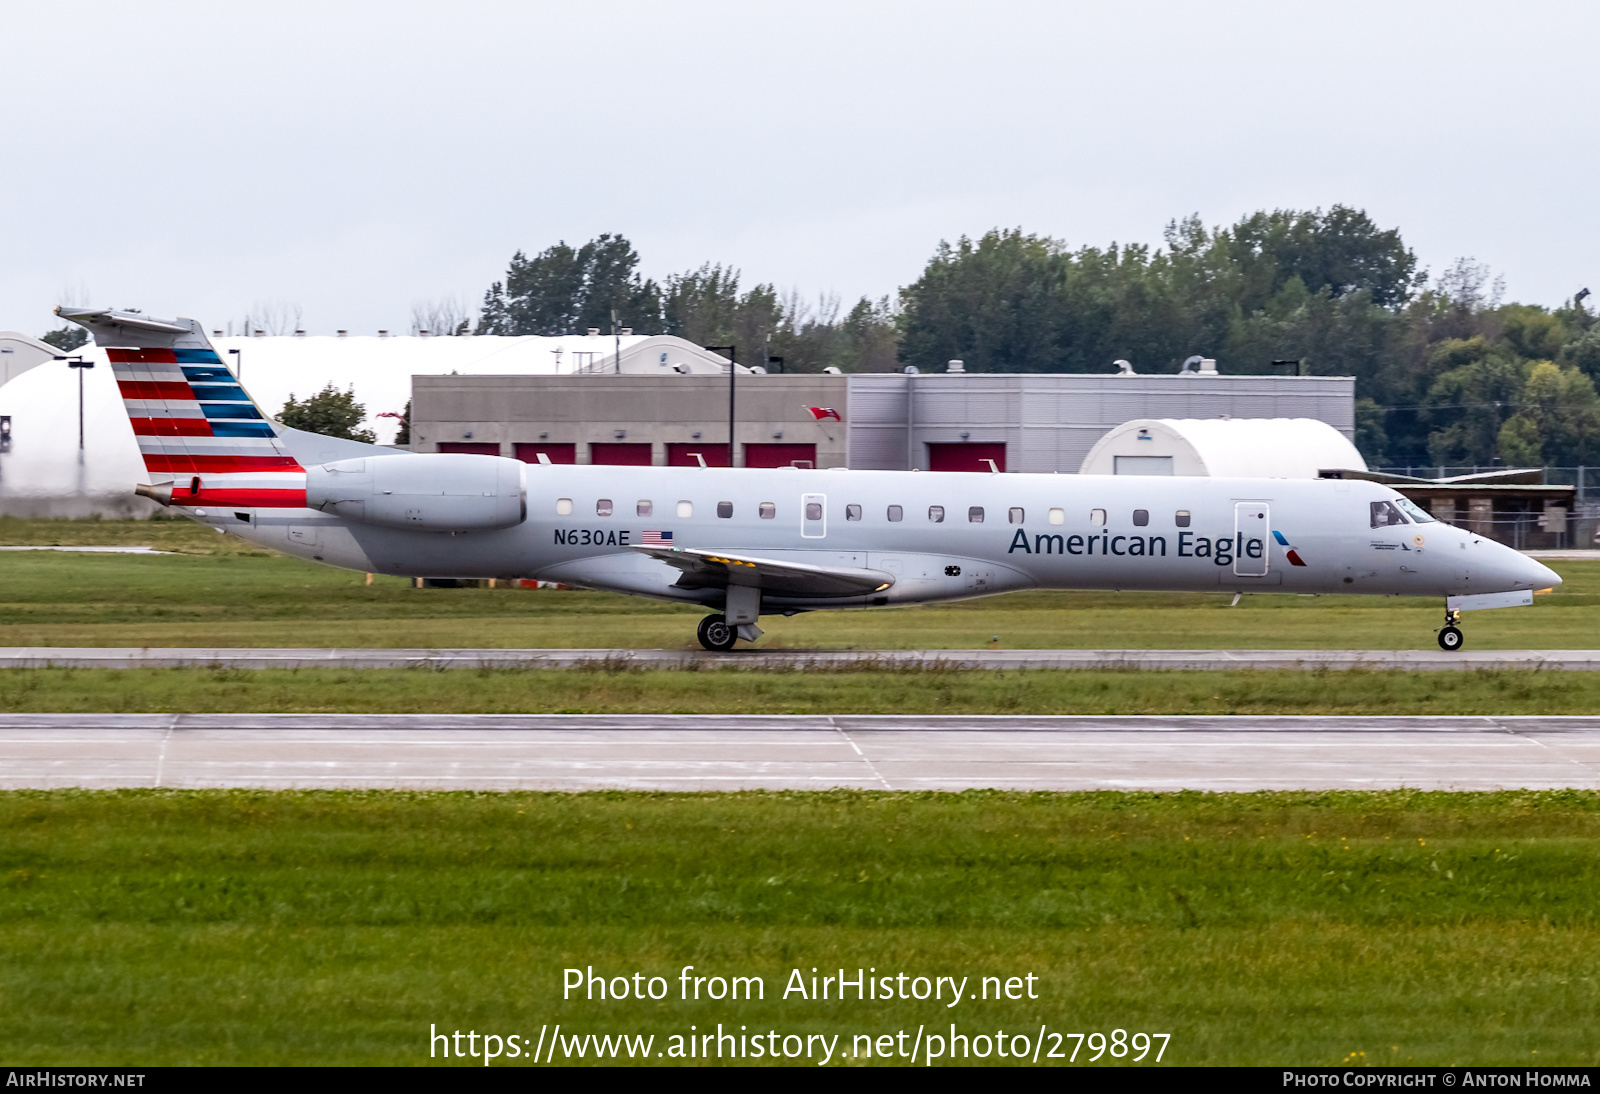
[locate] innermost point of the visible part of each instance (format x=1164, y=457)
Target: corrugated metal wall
x=1049, y=422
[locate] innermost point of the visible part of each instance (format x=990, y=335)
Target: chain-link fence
x=1527, y=527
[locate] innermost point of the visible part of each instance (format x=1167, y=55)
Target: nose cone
x=1543, y=577
x=1515, y=570
x=1503, y=569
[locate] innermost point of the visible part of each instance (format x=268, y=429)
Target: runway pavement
x=719, y=752
x=793, y=660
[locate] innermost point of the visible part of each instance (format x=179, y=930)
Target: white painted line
x=96, y=550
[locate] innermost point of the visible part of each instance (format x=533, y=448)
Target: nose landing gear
x=716, y=633
x=1450, y=637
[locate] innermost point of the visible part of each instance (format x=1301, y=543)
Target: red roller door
x=965, y=457
x=556, y=453
x=682, y=455
x=626, y=454
x=779, y=455
x=471, y=448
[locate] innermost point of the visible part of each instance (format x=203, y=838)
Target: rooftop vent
x=955, y=366
x=913, y=370
x=383, y=334
x=1124, y=368
x=1199, y=366
x=299, y=333
x=627, y=330
x=344, y=334
x=593, y=331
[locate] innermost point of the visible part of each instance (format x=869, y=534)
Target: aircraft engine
x=436, y=492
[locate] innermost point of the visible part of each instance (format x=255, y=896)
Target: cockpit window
x=1385, y=514
x=1416, y=512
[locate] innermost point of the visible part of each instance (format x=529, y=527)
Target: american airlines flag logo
x=657, y=537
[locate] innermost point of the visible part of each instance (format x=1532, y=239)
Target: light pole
x=80, y=364
x=733, y=367
x=616, y=343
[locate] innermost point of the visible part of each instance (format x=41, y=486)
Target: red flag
x=820, y=412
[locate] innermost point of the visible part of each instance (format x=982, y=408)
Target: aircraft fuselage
x=942, y=536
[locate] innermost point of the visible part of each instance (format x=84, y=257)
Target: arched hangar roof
x=1272, y=448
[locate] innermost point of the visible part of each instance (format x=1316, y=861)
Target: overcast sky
x=354, y=158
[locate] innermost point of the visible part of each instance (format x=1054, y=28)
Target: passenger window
x=1141, y=517
x=685, y=510
x=602, y=508
x=852, y=512
x=896, y=514
x=766, y=510
x=1014, y=516
x=936, y=514
x=1385, y=514
x=1058, y=516
x=563, y=507
x=644, y=509
x=725, y=509
x=975, y=515
x=1181, y=518
x=1097, y=517
x=813, y=510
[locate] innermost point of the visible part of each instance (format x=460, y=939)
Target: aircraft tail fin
x=203, y=439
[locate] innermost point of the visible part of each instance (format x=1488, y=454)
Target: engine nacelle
x=435, y=492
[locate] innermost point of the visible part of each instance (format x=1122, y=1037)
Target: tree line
x=566, y=289
x=1446, y=372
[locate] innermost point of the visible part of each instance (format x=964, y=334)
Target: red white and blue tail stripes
x=197, y=427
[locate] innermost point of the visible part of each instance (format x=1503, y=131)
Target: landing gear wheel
x=715, y=634
x=1451, y=639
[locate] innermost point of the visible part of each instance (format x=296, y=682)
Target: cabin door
x=1251, y=531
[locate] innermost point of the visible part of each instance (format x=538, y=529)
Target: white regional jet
x=747, y=542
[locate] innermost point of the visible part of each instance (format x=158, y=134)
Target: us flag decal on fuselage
x=656, y=537
x=196, y=427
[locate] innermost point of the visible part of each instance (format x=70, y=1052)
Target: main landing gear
x=1450, y=637
x=716, y=633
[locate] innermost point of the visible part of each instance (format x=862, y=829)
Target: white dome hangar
x=1234, y=448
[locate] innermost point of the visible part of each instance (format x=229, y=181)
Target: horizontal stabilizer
x=135, y=329
x=717, y=570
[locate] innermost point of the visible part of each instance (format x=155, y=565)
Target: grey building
x=1047, y=422
x=950, y=421
x=674, y=420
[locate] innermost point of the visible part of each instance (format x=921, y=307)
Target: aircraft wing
x=715, y=569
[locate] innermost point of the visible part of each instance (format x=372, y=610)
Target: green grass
x=245, y=927
x=731, y=691
x=221, y=592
